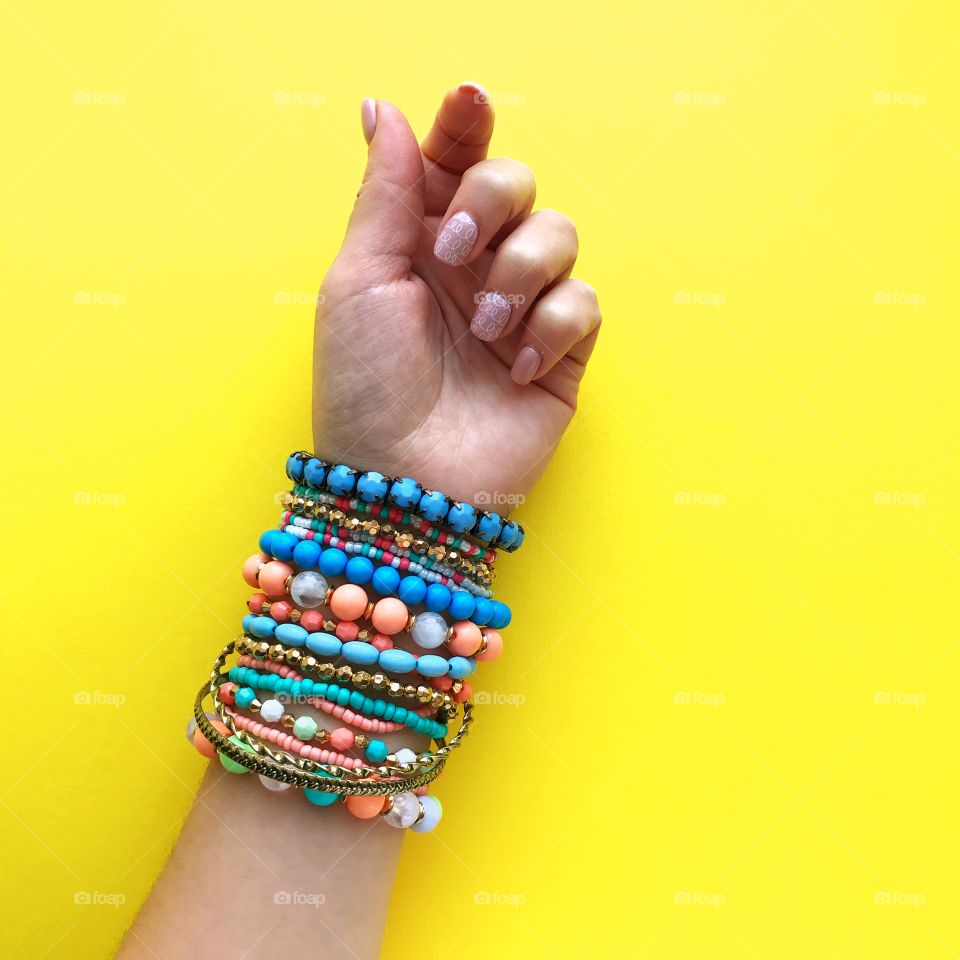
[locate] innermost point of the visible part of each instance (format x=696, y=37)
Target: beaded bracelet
x=317, y=505
x=374, y=487
x=481, y=574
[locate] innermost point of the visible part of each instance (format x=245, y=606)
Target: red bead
x=347, y=630
x=311, y=621
x=256, y=602
x=280, y=611
x=382, y=642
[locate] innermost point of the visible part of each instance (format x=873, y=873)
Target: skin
x=401, y=385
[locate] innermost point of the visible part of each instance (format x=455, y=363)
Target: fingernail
x=456, y=239
x=368, y=118
x=491, y=316
x=526, y=365
x=480, y=94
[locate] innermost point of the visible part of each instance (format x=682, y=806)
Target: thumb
x=385, y=225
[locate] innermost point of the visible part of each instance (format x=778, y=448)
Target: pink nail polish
x=456, y=239
x=368, y=118
x=526, y=365
x=491, y=316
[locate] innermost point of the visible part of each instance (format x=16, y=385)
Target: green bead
x=305, y=728
x=231, y=765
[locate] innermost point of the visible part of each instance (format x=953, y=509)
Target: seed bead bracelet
x=465, y=570
x=385, y=580
x=405, y=492
x=317, y=505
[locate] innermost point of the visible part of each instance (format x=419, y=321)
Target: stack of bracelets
x=357, y=562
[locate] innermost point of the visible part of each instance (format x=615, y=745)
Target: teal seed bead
x=343, y=697
x=296, y=689
x=305, y=728
x=378, y=708
x=388, y=711
x=400, y=714
x=331, y=694
x=356, y=700
x=307, y=686
x=368, y=705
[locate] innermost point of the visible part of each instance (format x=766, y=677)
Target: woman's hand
x=450, y=341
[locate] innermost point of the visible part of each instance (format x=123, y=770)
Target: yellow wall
x=763, y=616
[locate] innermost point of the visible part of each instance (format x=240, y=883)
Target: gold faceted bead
x=293, y=656
x=322, y=735
x=353, y=524
x=370, y=526
x=309, y=663
x=437, y=552
x=424, y=694
x=361, y=678
x=288, y=720
x=379, y=681
x=321, y=510
x=388, y=530
x=361, y=740
x=276, y=652
x=395, y=688
x=329, y=626
x=295, y=615
x=410, y=691
x=454, y=556
x=404, y=540
x=286, y=498
x=465, y=566
x=336, y=516
x=437, y=699
x=263, y=648
x=298, y=502
x=363, y=635
x=326, y=670
x=344, y=672
x=420, y=545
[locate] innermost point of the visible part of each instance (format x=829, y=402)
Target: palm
x=400, y=383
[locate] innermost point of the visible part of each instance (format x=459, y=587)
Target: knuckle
x=558, y=221
x=502, y=176
x=527, y=261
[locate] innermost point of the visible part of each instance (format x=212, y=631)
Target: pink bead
x=311, y=621
x=441, y=683
x=347, y=630
x=256, y=602
x=280, y=611
x=466, y=638
x=273, y=579
x=494, y=646
x=226, y=692
x=250, y=567
x=466, y=692
x=390, y=615
x=381, y=642
x=349, y=601
x=342, y=739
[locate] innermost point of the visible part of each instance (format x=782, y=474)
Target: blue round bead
x=461, y=605
x=461, y=517
x=324, y=644
x=263, y=626
x=395, y=660
x=341, y=480
x=243, y=697
x=282, y=544
x=264, y=541
x=291, y=633
x=501, y=615
x=386, y=580
x=295, y=467
x=376, y=751
x=247, y=621
x=332, y=562
x=359, y=570
x=433, y=505
x=356, y=651
x=412, y=590
x=320, y=798
x=372, y=487
x=482, y=612
x=510, y=530
x=489, y=526
x=406, y=492
x=460, y=667
x=314, y=472
x=306, y=554
x=437, y=598
x=431, y=665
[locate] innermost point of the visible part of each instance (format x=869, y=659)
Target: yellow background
x=762, y=620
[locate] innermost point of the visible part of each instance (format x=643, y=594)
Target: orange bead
x=494, y=646
x=390, y=615
x=466, y=638
x=366, y=808
x=250, y=567
x=203, y=745
x=349, y=601
x=273, y=578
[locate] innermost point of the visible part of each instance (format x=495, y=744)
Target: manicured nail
x=526, y=365
x=480, y=94
x=368, y=118
x=491, y=317
x=456, y=239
